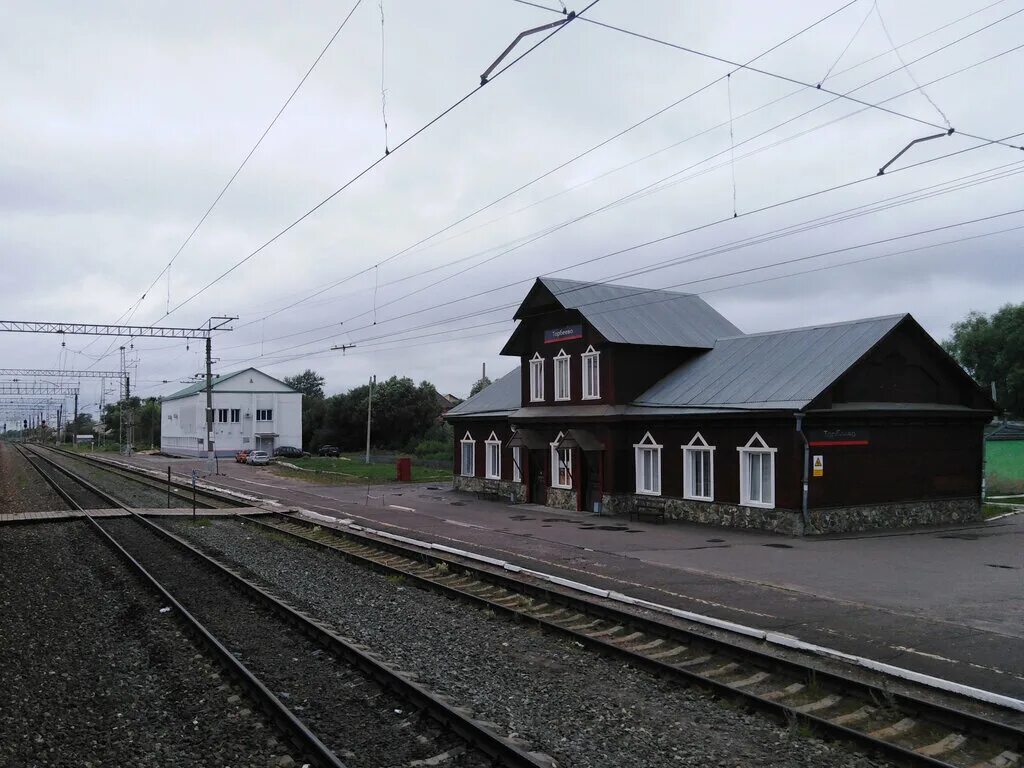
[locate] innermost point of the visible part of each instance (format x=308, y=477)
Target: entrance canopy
x=529, y=439
x=581, y=438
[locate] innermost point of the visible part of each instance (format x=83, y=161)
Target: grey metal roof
x=626, y=314
x=218, y=379
x=781, y=369
x=501, y=397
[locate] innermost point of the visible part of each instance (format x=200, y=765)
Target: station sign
x=838, y=437
x=566, y=333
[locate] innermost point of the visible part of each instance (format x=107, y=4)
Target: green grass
x=350, y=468
x=1004, y=466
x=988, y=511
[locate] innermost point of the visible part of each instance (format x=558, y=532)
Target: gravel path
x=93, y=674
x=21, y=487
x=366, y=726
x=582, y=708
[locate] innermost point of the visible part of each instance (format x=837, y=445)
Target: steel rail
x=301, y=735
x=503, y=751
x=956, y=721
x=180, y=489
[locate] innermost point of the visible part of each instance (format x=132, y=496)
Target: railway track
x=908, y=730
x=347, y=698
x=178, y=493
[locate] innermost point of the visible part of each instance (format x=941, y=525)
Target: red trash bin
x=404, y=467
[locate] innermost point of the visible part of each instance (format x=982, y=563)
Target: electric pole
x=369, y=403
x=209, y=408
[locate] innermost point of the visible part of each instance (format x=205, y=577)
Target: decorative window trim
x=647, y=445
x=467, y=440
x=563, y=360
x=517, y=464
x=492, y=472
x=555, y=461
x=536, y=381
x=698, y=444
x=756, y=444
x=586, y=357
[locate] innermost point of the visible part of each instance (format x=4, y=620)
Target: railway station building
x=637, y=400
x=251, y=410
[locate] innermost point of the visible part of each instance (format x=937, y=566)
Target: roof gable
x=625, y=314
x=219, y=379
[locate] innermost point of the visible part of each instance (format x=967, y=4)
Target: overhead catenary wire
x=592, y=260
x=580, y=155
x=439, y=116
x=842, y=53
x=653, y=187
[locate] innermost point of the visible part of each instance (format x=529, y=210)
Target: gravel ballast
x=94, y=674
x=366, y=726
x=584, y=709
x=21, y=487
x=131, y=492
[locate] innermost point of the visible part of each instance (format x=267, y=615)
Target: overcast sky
x=121, y=122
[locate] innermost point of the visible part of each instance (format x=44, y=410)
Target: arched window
x=537, y=379
x=561, y=465
x=468, y=455
x=562, y=376
x=591, y=374
x=757, y=473
x=648, y=466
x=493, y=458
x=699, y=469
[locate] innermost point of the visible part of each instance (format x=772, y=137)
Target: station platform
x=74, y=514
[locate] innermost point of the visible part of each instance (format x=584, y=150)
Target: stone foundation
x=790, y=521
x=561, y=498
x=514, y=492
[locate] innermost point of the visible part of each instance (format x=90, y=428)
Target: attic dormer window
x=591, y=374
x=562, y=375
x=537, y=379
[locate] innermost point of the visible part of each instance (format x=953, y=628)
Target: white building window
x=757, y=473
x=468, y=456
x=236, y=415
x=493, y=456
x=517, y=464
x=222, y=415
x=591, y=374
x=561, y=465
x=537, y=378
x=562, y=375
x=264, y=414
x=648, y=466
x=699, y=469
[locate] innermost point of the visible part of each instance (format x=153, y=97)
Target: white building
x=250, y=410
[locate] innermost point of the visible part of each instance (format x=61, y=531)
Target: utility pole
x=369, y=403
x=209, y=408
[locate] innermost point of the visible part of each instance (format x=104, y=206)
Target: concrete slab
x=947, y=602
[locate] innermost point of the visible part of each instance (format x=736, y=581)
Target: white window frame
x=591, y=357
x=264, y=414
x=555, y=464
x=236, y=415
x=698, y=445
x=537, y=378
x=562, y=360
x=492, y=458
x=467, y=440
x=222, y=415
x=756, y=445
x=517, y=464
x=647, y=445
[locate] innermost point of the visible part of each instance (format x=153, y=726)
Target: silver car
x=258, y=458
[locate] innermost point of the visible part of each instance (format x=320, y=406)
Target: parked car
x=258, y=458
x=242, y=456
x=288, y=452
x=329, y=450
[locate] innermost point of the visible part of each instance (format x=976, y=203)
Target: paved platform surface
x=947, y=602
x=71, y=514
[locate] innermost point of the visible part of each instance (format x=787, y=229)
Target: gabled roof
x=500, y=398
x=625, y=314
x=218, y=379
x=780, y=369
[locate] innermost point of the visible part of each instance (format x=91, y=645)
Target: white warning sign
x=819, y=466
